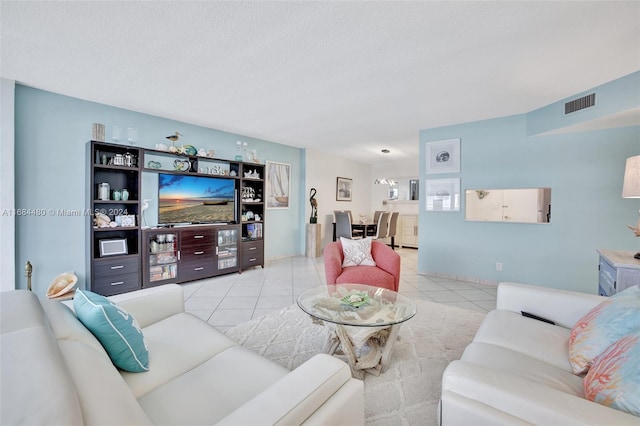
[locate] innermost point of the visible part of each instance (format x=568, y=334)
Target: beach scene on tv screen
x=195, y=199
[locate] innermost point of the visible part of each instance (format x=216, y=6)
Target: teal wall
x=613, y=97
x=585, y=171
x=51, y=132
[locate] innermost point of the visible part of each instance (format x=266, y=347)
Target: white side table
x=617, y=271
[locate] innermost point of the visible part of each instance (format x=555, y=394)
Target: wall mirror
x=528, y=205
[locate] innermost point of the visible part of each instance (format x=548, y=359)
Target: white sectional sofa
x=54, y=371
x=517, y=370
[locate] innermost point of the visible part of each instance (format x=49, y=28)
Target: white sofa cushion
x=34, y=374
x=105, y=398
x=529, y=401
x=66, y=326
x=563, y=307
x=295, y=398
x=534, y=338
x=212, y=390
x=518, y=364
x=177, y=344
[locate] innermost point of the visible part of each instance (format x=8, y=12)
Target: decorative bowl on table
x=355, y=299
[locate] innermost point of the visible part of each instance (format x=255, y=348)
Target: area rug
x=407, y=392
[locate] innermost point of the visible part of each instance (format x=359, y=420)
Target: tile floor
x=229, y=300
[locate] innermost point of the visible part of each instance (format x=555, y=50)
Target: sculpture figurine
x=314, y=206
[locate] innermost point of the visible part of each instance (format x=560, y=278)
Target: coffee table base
x=380, y=343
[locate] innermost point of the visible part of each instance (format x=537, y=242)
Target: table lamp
x=631, y=187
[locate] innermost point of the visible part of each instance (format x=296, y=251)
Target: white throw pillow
x=357, y=252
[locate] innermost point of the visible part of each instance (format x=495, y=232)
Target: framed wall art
x=443, y=156
x=344, y=187
x=278, y=185
x=443, y=195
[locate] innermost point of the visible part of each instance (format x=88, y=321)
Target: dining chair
x=382, y=228
x=376, y=216
x=343, y=225
x=393, y=224
x=354, y=232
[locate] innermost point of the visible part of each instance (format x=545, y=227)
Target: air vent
x=580, y=103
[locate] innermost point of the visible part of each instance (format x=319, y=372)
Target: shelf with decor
x=174, y=162
x=161, y=258
x=252, y=210
x=225, y=232
x=227, y=248
x=114, y=230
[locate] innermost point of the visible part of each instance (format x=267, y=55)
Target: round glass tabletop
x=356, y=305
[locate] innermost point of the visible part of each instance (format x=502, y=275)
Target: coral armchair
x=385, y=274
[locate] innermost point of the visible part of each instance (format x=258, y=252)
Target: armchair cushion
x=357, y=252
x=366, y=275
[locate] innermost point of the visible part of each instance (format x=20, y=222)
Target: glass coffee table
x=364, y=322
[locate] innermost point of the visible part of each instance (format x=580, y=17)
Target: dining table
x=368, y=228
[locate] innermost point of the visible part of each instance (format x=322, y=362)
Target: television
x=190, y=199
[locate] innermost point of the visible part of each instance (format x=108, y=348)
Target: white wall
x=402, y=172
x=322, y=172
x=7, y=189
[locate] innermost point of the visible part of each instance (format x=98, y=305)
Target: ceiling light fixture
x=385, y=181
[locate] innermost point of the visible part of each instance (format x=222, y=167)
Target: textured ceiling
x=349, y=77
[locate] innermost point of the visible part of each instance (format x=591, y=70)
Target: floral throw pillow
x=614, y=378
x=603, y=325
x=357, y=252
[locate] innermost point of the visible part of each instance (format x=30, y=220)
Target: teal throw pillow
x=117, y=331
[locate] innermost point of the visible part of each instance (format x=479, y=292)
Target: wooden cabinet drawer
x=197, y=237
x=196, y=271
x=252, y=247
x=118, y=266
x=252, y=254
x=252, y=259
x=197, y=254
x=116, y=283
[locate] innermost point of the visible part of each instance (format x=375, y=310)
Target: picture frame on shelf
x=126, y=220
x=443, y=156
x=278, y=185
x=344, y=188
x=443, y=195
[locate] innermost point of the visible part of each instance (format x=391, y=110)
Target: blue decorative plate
x=190, y=150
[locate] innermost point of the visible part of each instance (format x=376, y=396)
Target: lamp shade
x=631, y=185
